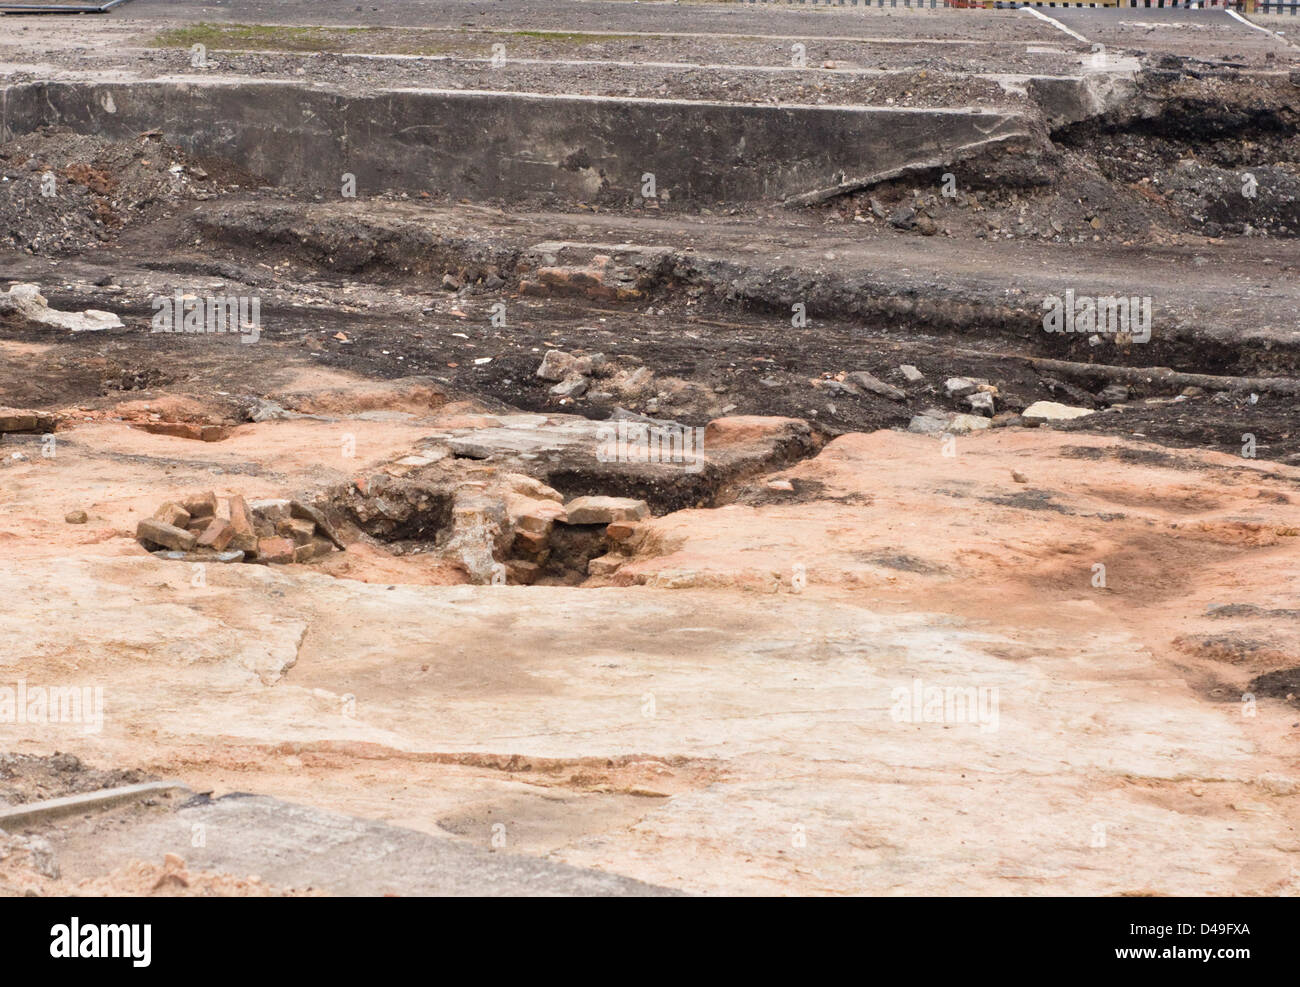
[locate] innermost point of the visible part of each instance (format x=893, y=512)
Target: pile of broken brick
x=203, y=529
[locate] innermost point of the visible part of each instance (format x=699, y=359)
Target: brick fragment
x=308, y=513
x=300, y=532
x=277, y=550
x=203, y=505
x=620, y=530
x=241, y=521
x=313, y=549
x=216, y=535
x=154, y=532
x=172, y=513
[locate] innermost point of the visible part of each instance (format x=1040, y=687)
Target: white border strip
x=1055, y=23
x=1232, y=13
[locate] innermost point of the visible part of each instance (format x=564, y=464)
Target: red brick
x=172, y=513
x=279, y=550
x=216, y=535
x=204, y=505
x=522, y=573
x=749, y=430
x=186, y=430
x=530, y=542
x=620, y=530
x=155, y=532
x=313, y=549
x=297, y=529
x=245, y=536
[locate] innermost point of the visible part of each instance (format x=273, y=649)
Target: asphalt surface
x=1159, y=29
x=603, y=15
x=297, y=846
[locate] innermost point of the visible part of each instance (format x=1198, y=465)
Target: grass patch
x=248, y=37
x=271, y=37
x=576, y=37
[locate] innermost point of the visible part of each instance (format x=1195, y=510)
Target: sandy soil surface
x=743, y=689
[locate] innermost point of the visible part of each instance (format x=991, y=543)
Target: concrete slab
x=499, y=144
x=297, y=846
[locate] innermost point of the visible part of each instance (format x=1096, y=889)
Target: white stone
x=1052, y=411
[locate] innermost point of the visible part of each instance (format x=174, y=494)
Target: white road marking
x=1233, y=13
x=1055, y=23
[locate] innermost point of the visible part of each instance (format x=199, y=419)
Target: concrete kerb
x=51, y=809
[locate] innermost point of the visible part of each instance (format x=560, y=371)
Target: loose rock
x=163, y=535
x=570, y=387
x=874, y=385
x=981, y=402
x=604, y=510
x=1051, y=411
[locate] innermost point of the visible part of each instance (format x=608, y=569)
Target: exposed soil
x=67, y=193
x=33, y=778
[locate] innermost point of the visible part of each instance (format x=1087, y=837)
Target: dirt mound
x=1187, y=157
x=28, y=778
x=65, y=192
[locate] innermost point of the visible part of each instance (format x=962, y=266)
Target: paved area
x=290, y=845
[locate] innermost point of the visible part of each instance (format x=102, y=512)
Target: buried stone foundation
x=498, y=528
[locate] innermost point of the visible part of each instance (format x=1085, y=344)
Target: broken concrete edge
x=868, y=293
x=1156, y=378
x=955, y=156
x=52, y=809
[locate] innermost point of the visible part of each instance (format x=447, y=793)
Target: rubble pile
x=499, y=527
x=205, y=529
x=66, y=193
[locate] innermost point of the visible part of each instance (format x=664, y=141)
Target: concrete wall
x=507, y=145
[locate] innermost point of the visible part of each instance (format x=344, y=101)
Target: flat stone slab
x=604, y=510
x=292, y=845
x=1054, y=411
